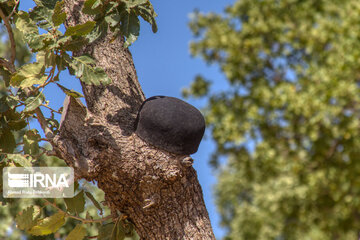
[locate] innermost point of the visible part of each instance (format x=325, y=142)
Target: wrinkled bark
x=158, y=190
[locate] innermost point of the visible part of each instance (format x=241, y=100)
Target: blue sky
x=164, y=66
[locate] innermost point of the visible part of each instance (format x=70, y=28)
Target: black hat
x=170, y=124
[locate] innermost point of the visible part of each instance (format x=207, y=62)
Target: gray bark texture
x=158, y=190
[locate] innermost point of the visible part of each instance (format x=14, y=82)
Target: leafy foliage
x=76, y=204
x=27, y=218
x=48, y=225
x=121, y=230
x=121, y=17
x=34, y=51
x=289, y=123
x=78, y=233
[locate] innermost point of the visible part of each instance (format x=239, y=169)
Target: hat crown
x=170, y=124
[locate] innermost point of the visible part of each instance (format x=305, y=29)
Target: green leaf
x=75, y=204
x=78, y=233
x=134, y=3
x=105, y=231
x=14, y=120
x=48, y=14
x=28, y=75
x=95, y=76
x=85, y=59
x=49, y=4
x=42, y=16
x=20, y=160
x=12, y=101
x=92, y=7
x=36, y=42
x=17, y=124
x=83, y=67
x=75, y=43
x=118, y=232
x=130, y=27
x=7, y=141
x=59, y=15
x=99, y=31
x=80, y=30
x=113, y=19
x=53, y=124
x=26, y=219
x=3, y=105
x=148, y=14
x=21, y=81
x=61, y=65
x=26, y=26
x=94, y=201
x=32, y=103
x=29, y=30
x=31, y=142
x=69, y=92
x=7, y=7
x=123, y=229
x=199, y=87
x=48, y=225
x=46, y=58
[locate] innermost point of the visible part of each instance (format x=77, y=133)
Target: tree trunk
x=158, y=190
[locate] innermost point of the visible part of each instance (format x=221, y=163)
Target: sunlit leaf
x=48, y=225
x=105, y=231
x=7, y=141
x=92, y=7
x=31, y=142
x=78, y=233
x=27, y=218
x=28, y=75
x=130, y=27
x=81, y=29
x=31, y=103
x=59, y=15
x=94, y=201
x=75, y=204
x=20, y=160
x=69, y=92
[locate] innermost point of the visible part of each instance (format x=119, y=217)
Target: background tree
x=147, y=189
x=288, y=122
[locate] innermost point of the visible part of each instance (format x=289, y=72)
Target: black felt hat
x=170, y=124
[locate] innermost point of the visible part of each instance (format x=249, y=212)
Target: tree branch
x=11, y=67
x=158, y=190
x=43, y=123
x=11, y=36
x=14, y=9
x=83, y=220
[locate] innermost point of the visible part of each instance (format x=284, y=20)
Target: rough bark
x=158, y=190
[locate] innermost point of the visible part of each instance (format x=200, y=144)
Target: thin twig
x=44, y=139
x=83, y=220
x=92, y=237
x=41, y=119
x=43, y=123
x=5, y=63
x=48, y=80
x=11, y=36
x=14, y=9
x=51, y=109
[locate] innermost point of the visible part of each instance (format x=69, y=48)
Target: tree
x=288, y=122
x=147, y=189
